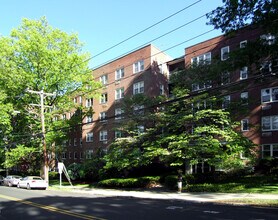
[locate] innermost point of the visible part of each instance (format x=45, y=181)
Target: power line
x=142, y=31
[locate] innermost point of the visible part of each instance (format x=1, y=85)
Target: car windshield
x=37, y=178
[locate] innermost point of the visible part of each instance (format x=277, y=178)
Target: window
x=243, y=44
x=80, y=99
x=161, y=89
x=104, y=79
x=269, y=95
x=81, y=155
x=89, y=102
x=64, y=116
x=75, y=155
x=89, y=137
x=140, y=129
x=89, y=118
x=244, y=98
x=103, y=135
x=226, y=101
x=103, y=98
x=119, y=113
x=138, y=109
x=244, y=73
x=202, y=59
x=138, y=66
x=75, y=100
x=138, y=88
x=244, y=125
x=89, y=154
x=269, y=150
x=75, y=142
x=103, y=116
x=268, y=39
x=200, y=86
x=225, y=78
x=225, y=53
x=119, y=93
x=80, y=142
x=118, y=134
x=270, y=123
x=119, y=74
x=70, y=155
x=64, y=155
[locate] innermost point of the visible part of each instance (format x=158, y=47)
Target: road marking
x=174, y=207
x=51, y=208
x=212, y=212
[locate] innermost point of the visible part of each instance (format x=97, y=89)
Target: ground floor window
x=270, y=150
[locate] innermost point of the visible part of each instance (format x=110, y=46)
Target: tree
x=236, y=14
x=42, y=58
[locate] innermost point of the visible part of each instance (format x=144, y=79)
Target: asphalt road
x=47, y=204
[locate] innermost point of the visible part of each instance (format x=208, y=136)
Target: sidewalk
x=161, y=194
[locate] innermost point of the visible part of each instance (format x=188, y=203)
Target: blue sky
x=101, y=24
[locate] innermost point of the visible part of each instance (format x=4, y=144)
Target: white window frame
x=161, y=89
x=89, y=102
x=138, y=88
x=272, y=148
x=119, y=73
x=226, y=101
x=138, y=66
x=118, y=134
x=89, y=137
x=138, y=109
x=75, y=142
x=103, y=116
x=225, y=53
x=119, y=113
x=244, y=97
x=89, y=118
x=243, y=44
x=270, y=123
x=64, y=155
x=245, y=124
x=270, y=93
x=103, y=79
x=243, y=73
x=202, y=59
x=89, y=154
x=103, y=98
x=103, y=135
x=119, y=93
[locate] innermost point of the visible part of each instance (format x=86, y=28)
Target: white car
x=32, y=182
x=11, y=180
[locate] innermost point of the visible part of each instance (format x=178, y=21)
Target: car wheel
x=28, y=186
x=9, y=184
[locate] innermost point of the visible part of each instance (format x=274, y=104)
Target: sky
x=111, y=28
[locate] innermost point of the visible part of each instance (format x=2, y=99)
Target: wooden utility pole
x=41, y=105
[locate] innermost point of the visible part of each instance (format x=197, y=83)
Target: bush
x=129, y=182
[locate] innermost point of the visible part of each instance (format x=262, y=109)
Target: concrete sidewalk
x=160, y=194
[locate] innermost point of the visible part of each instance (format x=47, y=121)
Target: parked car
x=1, y=180
x=32, y=182
x=11, y=180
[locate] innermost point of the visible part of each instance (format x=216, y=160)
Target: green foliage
x=41, y=58
x=236, y=14
x=129, y=182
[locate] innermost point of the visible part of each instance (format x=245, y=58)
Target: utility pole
x=41, y=105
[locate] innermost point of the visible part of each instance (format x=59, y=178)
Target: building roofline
x=127, y=54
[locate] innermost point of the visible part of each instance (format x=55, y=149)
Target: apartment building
x=256, y=89
x=143, y=71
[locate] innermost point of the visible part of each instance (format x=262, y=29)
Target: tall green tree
x=38, y=57
x=236, y=14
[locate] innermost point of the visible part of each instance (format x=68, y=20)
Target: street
x=53, y=204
